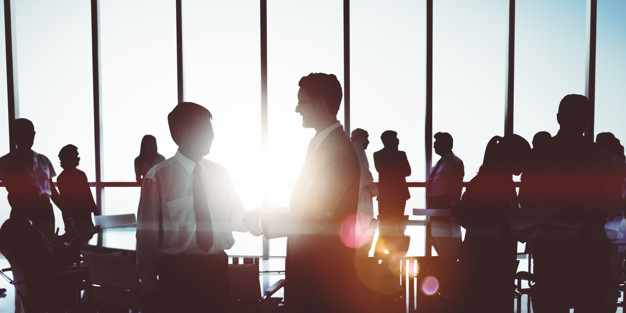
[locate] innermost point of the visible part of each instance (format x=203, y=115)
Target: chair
x=116, y=221
x=245, y=290
x=114, y=282
x=55, y=291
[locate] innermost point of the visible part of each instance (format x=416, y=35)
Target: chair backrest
x=112, y=268
x=120, y=220
x=244, y=282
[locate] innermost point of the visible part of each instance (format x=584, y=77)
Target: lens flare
x=414, y=269
x=430, y=285
x=356, y=230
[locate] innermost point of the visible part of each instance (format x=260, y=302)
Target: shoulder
x=213, y=168
x=41, y=157
x=161, y=167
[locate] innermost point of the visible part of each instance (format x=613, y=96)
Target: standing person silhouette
x=148, y=157
x=367, y=190
x=320, y=271
x=488, y=256
x=76, y=195
x=28, y=174
x=570, y=181
x=187, y=212
x=443, y=191
x=393, y=168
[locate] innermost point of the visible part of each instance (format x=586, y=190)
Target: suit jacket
x=319, y=267
x=393, y=168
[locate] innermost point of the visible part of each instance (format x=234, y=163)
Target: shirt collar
x=321, y=136
x=188, y=164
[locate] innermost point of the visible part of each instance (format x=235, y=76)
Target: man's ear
x=321, y=104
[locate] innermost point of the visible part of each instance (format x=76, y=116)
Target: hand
x=252, y=222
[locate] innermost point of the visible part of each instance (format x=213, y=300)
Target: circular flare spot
x=356, y=230
x=430, y=285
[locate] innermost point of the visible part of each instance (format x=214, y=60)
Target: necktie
x=204, y=232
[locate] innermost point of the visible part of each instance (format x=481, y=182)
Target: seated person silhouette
x=45, y=261
x=148, y=157
x=24, y=170
x=76, y=195
x=393, y=168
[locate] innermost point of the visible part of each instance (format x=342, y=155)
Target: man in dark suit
x=319, y=266
x=393, y=168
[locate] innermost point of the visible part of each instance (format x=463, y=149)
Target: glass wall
x=550, y=61
x=221, y=54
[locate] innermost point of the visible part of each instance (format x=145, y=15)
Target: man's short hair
x=388, y=136
x=184, y=117
x=324, y=86
x=23, y=125
x=445, y=139
x=358, y=132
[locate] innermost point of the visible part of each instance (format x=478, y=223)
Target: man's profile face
x=437, y=146
x=200, y=136
x=309, y=108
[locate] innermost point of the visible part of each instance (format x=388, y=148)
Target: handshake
x=252, y=222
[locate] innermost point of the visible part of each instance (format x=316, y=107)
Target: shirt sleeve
x=148, y=229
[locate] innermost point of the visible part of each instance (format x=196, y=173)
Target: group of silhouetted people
x=189, y=209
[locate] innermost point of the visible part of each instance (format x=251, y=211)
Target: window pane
x=138, y=45
x=550, y=54
x=611, y=69
x=222, y=71
x=388, y=45
x=303, y=37
x=469, y=75
x=4, y=113
x=53, y=45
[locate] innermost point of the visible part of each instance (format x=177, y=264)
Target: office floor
x=7, y=302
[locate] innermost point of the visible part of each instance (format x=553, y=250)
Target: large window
x=138, y=70
x=222, y=69
x=550, y=58
x=469, y=70
x=302, y=37
x=54, y=78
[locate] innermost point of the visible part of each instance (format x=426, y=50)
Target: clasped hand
x=252, y=222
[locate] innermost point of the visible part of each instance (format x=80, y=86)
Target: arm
x=137, y=172
x=56, y=198
x=405, y=168
x=318, y=209
x=148, y=229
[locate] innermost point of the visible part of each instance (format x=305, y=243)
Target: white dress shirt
x=166, y=221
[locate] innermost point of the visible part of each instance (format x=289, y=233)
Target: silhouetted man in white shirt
x=187, y=212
